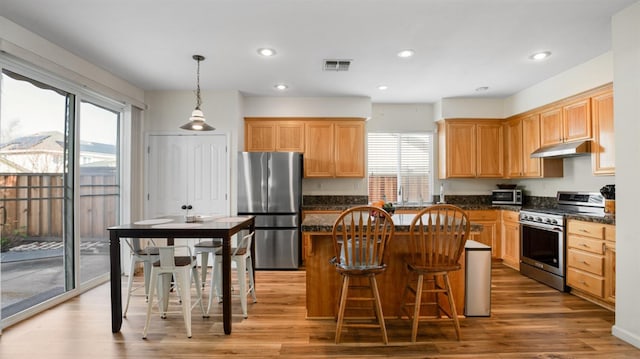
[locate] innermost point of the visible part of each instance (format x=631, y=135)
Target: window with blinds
x=400, y=167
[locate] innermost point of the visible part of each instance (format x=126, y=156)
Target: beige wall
x=168, y=110
x=626, y=49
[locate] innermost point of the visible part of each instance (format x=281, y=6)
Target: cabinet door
x=461, y=149
x=576, y=121
x=349, y=148
x=603, y=146
x=551, y=127
x=530, y=143
x=610, y=272
x=490, y=234
x=259, y=136
x=490, y=155
x=511, y=244
x=289, y=136
x=319, y=149
x=514, y=146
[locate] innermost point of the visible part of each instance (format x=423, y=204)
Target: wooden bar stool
x=360, y=237
x=437, y=238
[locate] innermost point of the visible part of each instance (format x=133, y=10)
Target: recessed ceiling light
x=540, y=55
x=383, y=87
x=281, y=87
x=406, y=53
x=267, y=52
x=482, y=88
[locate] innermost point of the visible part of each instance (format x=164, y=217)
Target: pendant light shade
x=197, y=121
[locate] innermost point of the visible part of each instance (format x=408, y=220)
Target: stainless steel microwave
x=507, y=196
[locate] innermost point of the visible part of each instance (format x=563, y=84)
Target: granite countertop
x=323, y=222
x=606, y=219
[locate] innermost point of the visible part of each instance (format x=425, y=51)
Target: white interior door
x=187, y=170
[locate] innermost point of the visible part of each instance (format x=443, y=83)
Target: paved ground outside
x=34, y=271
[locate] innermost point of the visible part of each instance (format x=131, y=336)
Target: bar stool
x=184, y=269
x=241, y=256
x=146, y=256
x=206, y=248
x=360, y=236
x=437, y=238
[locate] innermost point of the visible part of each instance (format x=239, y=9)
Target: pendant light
x=197, y=120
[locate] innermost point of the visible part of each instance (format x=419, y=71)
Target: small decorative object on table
x=387, y=206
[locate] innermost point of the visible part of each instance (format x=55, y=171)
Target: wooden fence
x=33, y=203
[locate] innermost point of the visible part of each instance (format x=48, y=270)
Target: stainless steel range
x=542, y=237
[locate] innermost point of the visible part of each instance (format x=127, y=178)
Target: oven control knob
x=538, y=219
x=553, y=221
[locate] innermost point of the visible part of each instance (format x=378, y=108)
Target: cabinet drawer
x=585, y=282
x=585, y=261
x=585, y=244
x=482, y=215
x=587, y=229
x=510, y=216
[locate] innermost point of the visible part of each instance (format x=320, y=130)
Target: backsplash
x=333, y=200
x=539, y=202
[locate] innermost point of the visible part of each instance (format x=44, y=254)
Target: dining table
x=171, y=228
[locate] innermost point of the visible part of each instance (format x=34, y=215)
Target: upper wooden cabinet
x=349, y=148
x=571, y=122
x=522, y=137
x=470, y=148
x=603, y=146
x=273, y=135
x=319, y=149
x=334, y=148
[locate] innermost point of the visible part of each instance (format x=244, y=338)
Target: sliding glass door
x=98, y=185
x=33, y=169
x=59, y=189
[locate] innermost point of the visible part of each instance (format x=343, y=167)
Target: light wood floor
x=528, y=320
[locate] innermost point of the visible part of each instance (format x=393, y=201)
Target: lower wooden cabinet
x=591, y=261
x=490, y=235
x=511, y=239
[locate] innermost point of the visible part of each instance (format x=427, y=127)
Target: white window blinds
x=400, y=167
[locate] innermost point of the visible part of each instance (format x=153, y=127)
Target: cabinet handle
x=584, y=245
x=585, y=262
x=584, y=283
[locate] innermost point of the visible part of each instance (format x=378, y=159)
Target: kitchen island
x=323, y=282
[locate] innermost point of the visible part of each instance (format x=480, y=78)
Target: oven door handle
x=555, y=229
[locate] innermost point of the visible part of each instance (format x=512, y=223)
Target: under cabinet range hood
x=561, y=150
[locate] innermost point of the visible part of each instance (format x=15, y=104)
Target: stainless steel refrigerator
x=270, y=188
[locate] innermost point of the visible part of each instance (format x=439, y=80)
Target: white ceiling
x=459, y=45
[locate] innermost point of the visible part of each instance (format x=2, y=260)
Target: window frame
x=428, y=198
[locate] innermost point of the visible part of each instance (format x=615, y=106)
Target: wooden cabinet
x=349, y=148
x=471, y=148
x=603, y=146
x=319, y=149
x=522, y=137
x=273, y=135
x=570, y=122
x=511, y=239
x=490, y=235
x=591, y=261
x=610, y=272
x=334, y=149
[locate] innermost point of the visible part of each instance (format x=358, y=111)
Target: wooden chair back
x=437, y=237
x=360, y=236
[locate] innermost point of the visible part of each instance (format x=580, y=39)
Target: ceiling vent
x=336, y=65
